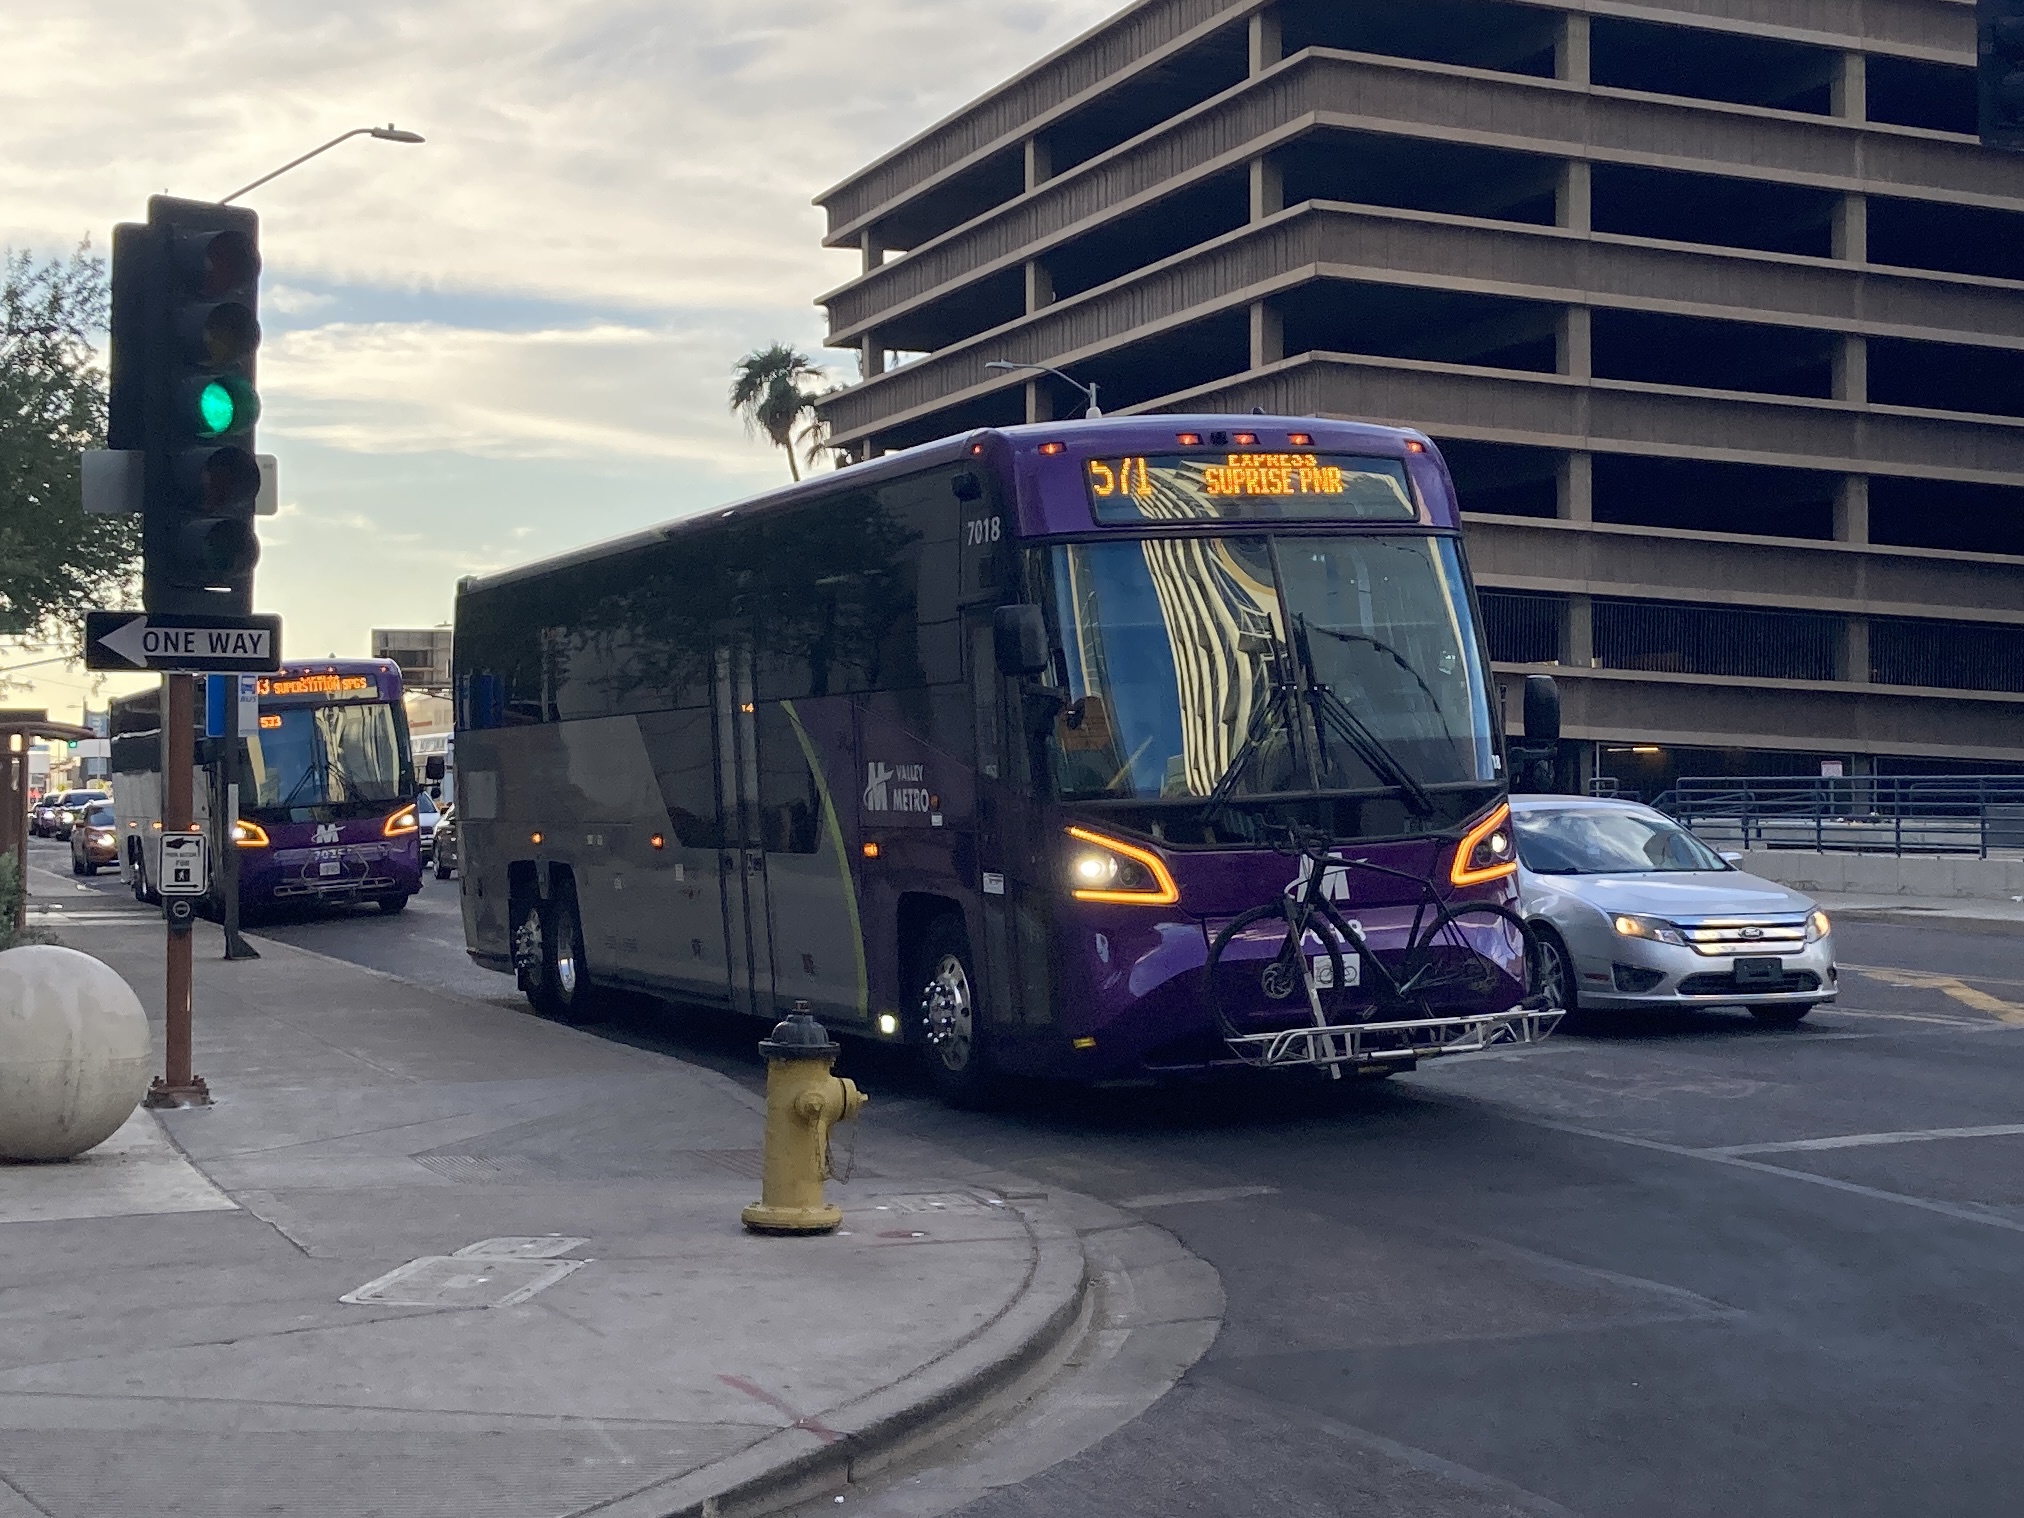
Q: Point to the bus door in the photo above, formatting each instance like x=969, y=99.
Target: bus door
x=748, y=940
x=1012, y=894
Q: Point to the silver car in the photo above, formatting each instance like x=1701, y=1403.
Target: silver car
x=1633, y=911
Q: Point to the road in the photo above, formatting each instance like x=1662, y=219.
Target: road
x=1682, y=1266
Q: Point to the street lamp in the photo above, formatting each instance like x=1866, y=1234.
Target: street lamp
x=387, y=133
x=1087, y=392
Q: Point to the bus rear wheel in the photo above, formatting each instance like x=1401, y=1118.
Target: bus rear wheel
x=952, y=1044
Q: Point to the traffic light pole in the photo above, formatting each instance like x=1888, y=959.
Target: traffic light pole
x=226, y=809
x=178, y=1086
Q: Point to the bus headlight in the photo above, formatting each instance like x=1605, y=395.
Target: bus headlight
x=1486, y=852
x=1109, y=869
x=402, y=823
x=249, y=835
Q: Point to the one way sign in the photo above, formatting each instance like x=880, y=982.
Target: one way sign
x=135, y=640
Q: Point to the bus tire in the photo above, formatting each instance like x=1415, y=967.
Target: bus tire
x=954, y=1052
x=567, y=994
x=393, y=904
x=144, y=892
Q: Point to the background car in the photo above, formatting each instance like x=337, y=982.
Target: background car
x=427, y=816
x=94, y=839
x=54, y=816
x=444, y=850
x=1634, y=912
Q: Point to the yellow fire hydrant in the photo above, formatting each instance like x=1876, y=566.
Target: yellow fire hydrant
x=803, y=1101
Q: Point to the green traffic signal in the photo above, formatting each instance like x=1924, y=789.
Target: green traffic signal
x=221, y=405
x=216, y=409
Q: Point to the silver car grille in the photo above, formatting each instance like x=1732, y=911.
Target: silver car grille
x=1743, y=937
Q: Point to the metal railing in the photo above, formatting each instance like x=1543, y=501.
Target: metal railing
x=1979, y=815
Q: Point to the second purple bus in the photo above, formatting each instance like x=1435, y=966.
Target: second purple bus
x=326, y=797
x=1052, y=750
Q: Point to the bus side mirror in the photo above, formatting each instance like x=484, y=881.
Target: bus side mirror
x=1019, y=638
x=1542, y=709
x=432, y=767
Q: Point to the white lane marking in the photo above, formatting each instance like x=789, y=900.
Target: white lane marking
x=1715, y=1157
x=1187, y=1198
x=1865, y=1140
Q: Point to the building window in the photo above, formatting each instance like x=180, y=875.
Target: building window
x=1946, y=655
x=1523, y=627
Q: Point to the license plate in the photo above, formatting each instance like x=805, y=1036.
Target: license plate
x=1324, y=972
x=330, y=867
x=1759, y=972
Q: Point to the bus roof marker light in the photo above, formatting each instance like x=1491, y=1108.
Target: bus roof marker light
x=872, y=850
x=1244, y=439
x=1414, y=445
x=659, y=841
x=1053, y=448
x=1189, y=439
x=1300, y=439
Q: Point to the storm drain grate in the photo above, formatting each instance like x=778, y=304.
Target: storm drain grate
x=477, y=1167
x=749, y=1163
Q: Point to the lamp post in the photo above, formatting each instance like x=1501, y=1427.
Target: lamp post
x=1087, y=392
x=387, y=133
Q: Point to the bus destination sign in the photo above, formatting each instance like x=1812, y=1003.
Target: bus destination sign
x=143, y=640
x=324, y=685
x=1197, y=487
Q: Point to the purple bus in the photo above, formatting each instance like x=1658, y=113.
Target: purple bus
x=326, y=793
x=1100, y=749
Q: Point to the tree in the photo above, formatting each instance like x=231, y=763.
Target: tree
x=774, y=391
x=54, y=560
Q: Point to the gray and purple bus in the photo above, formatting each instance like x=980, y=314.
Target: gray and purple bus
x=326, y=796
x=988, y=746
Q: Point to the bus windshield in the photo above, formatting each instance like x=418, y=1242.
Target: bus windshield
x=341, y=756
x=1266, y=665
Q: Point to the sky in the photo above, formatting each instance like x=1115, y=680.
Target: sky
x=517, y=337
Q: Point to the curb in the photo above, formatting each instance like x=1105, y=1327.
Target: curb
x=780, y=1469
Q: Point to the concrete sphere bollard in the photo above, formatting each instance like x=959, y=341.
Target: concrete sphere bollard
x=74, y=1052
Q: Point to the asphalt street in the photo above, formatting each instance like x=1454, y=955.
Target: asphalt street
x=1675, y=1266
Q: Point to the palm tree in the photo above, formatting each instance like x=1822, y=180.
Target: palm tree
x=774, y=391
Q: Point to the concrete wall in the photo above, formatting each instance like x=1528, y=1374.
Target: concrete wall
x=1883, y=875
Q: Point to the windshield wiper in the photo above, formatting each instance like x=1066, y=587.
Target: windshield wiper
x=1254, y=740
x=1384, y=648
x=1332, y=713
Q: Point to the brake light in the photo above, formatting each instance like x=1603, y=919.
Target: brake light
x=1486, y=852
x=1111, y=870
x=249, y=835
x=402, y=822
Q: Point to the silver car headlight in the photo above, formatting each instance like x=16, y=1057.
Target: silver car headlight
x=1657, y=929
x=1817, y=926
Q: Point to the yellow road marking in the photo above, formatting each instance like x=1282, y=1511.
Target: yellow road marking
x=1947, y=985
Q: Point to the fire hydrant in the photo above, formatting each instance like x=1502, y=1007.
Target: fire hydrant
x=803, y=1101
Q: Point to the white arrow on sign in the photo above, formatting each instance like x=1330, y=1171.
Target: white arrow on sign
x=136, y=642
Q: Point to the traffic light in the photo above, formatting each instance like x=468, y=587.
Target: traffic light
x=185, y=328
x=1999, y=72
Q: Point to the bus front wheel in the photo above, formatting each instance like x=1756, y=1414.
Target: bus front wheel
x=952, y=1042
x=566, y=993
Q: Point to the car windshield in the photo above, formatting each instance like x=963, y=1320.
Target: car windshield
x=1221, y=665
x=100, y=816
x=1600, y=841
x=325, y=756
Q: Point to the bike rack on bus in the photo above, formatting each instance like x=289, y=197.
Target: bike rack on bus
x=1351, y=1043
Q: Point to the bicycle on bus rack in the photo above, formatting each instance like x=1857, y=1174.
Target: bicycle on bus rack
x=1362, y=1009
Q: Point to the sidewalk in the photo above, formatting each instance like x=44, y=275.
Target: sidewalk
x=233, y=1323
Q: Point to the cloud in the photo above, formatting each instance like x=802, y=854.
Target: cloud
x=517, y=337
x=642, y=154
